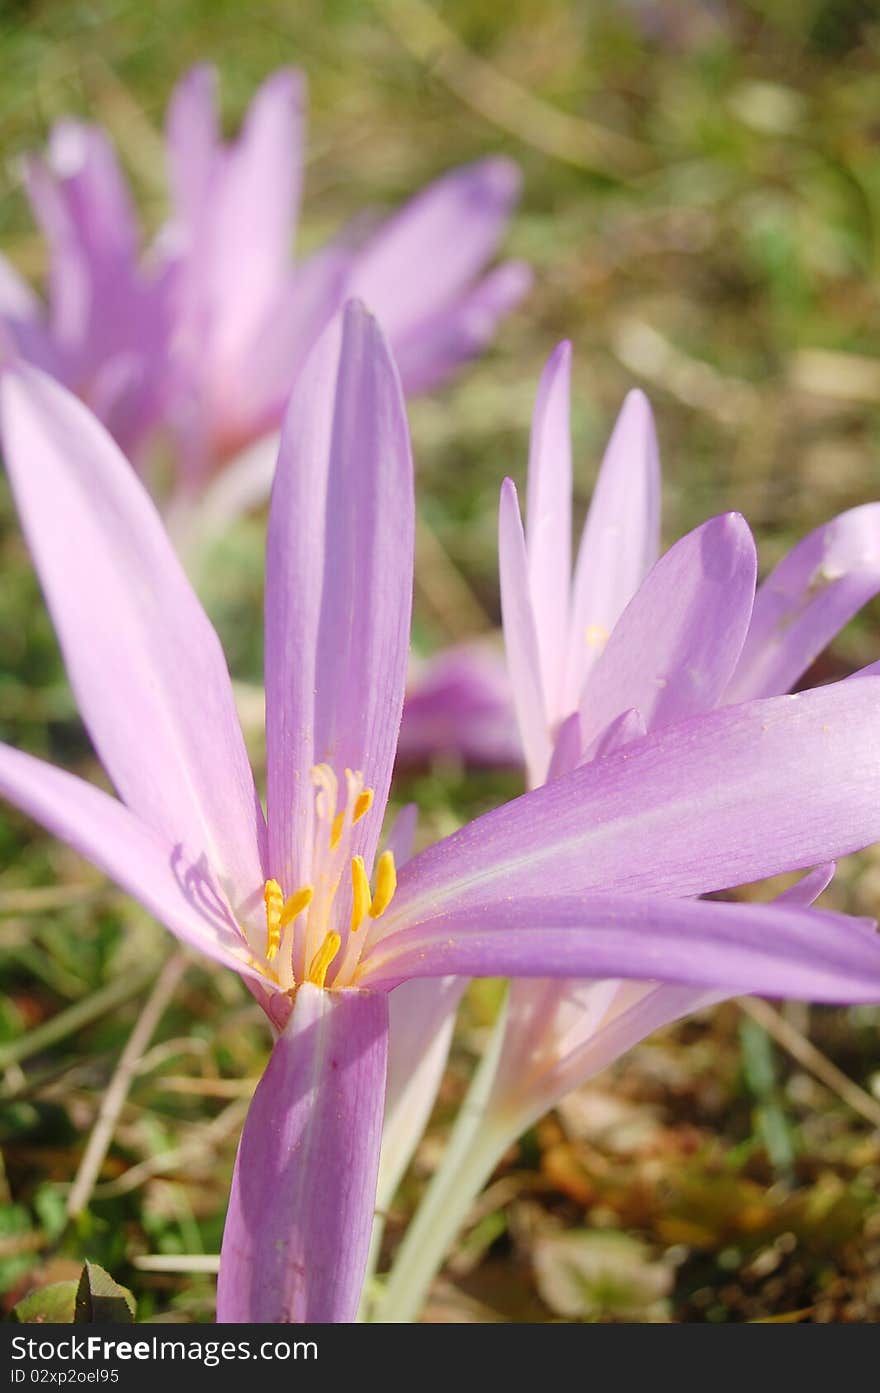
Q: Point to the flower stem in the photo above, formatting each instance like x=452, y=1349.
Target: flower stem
x=478, y=1140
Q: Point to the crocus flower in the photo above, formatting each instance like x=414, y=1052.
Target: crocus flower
x=105, y=330
x=208, y=332
x=588, y=651
x=631, y=647
x=586, y=877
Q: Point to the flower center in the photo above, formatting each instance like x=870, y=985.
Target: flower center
x=316, y=927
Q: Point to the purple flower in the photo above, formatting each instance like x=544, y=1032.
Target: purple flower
x=637, y=647
x=459, y=706
x=104, y=333
x=206, y=335
x=631, y=647
x=627, y=644
x=589, y=876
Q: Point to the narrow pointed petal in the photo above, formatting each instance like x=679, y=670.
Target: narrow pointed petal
x=622, y=731
x=424, y=258
x=548, y=524
x=84, y=208
x=402, y=833
x=193, y=146
x=301, y=307
x=567, y=749
x=774, y=949
x=303, y=1190
x=674, y=648
x=560, y=1034
x=144, y=662
x=338, y=583
x=808, y=889
x=521, y=637
x=23, y=328
x=720, y=800
x=17, y=299
x=433, y=349
x=620, y=540
x=806, y=600
x=236, y=205
x=150, y=867
x=257, y=208
x=421, y=1020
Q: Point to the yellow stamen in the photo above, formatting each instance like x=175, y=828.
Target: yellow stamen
x=295, y=904
x=386, y=884
x=323, y=958
x=273, y=896
x=360, y=886
x=362, y=805
x=596, y=636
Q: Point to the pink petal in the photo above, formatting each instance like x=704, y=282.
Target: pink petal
x=548, y=525
x=303, y=1191
x=338, y=584
x=620, y=540
x=806, y=600
x=144, y=662
x=716, y=801
x=433, y=349
x=774, y=949
x=674, y=648
x=422, y=260
x=181, y=893
x=521, y=637
x=459, y=705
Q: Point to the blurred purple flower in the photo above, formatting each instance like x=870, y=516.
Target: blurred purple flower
x=208, y=333
x=459, y=706
x=591, y=875
x=105, y=331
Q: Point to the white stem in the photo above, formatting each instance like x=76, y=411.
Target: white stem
x=478, y=1141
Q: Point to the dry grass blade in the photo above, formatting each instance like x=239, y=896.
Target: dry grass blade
x=812, y=1059
x=179, y=1262
x=114, y=1099
x=81, y=1014
x=180, y=1157
x=505, y=102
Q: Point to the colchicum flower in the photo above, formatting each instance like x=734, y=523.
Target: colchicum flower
x=633, y=646
x=206, y=333
x=590, y=876
x=106, y=332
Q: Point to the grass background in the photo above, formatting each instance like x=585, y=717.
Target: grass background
x=702, y=209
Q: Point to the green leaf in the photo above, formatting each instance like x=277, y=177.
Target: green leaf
x=52, y=1305
x=99, y=1298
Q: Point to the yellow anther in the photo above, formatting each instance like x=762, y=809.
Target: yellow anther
x=362, y=805
x=323, y=958
x=386, y=884
x=295, y=904
x=596, y=636
x=273, y=896
x=360, y=888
